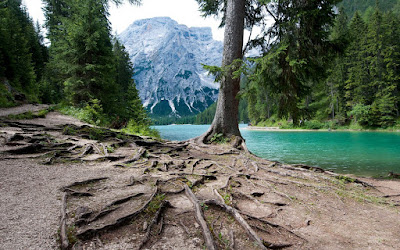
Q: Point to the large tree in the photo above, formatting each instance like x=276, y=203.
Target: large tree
x=226, y=117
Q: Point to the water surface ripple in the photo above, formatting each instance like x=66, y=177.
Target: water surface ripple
x=359, y=153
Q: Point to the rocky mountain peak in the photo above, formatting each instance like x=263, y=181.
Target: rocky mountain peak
x=168, y=59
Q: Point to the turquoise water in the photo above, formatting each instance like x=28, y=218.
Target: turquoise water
x=359, y=153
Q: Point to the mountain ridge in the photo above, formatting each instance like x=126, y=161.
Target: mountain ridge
x=168, y=59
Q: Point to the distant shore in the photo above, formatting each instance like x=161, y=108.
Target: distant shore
x=255, y=128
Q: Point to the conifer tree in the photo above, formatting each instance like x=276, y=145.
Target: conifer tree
x=357, y=68
x=22, y=53
x=337, y=71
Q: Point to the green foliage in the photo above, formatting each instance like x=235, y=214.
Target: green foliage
x=219, y=139
x=29, y=115
x=92, y=113
x=293, y=62
x=361, y=113
x=351, y=6
x=6, y=99
x=360, y=88
x=87, y=70
x=140, y=129
x=22, y=54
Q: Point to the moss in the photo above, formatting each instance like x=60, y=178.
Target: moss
x=71, y=234
x=155, y=204
x=345, y=179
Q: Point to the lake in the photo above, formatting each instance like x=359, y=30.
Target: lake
x=359, y=153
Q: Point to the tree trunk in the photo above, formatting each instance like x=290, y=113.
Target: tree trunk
x=226, y=117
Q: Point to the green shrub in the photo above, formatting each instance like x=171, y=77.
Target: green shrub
x=6, y=99
x=140, y=129
x=313, y=124
x=92, y=113
x=219, y=138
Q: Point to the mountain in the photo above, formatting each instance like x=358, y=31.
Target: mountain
x=168, y=59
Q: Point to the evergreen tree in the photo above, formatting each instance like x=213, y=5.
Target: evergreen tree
x=337, y=71
x=129, y=105
x=22, y=53
x=296, y=56
x=356, y=83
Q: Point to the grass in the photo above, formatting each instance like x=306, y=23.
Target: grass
x=219, y=139
x=93, y=133
x=348, y=188
x=71, y=231
x=345, y=179
x=155, y=204
x=328, y=124
x=30, y=115
x=95, y=116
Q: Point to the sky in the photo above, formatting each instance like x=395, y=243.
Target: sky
x=183, y=11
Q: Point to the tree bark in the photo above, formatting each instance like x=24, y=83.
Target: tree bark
x=226, y=117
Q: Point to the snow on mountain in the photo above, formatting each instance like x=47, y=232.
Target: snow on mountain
x=168, y=59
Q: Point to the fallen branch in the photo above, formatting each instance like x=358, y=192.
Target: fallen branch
x=200, y=219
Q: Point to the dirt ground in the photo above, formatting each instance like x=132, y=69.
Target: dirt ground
x=66, y=184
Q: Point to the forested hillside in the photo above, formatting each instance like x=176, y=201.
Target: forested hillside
x=346, y=76
x=351, y=6
x=84, y=68
x=22, y=55
x=357, y=86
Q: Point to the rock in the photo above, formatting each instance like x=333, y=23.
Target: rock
x=167, y=59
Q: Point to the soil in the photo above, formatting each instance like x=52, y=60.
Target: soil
x=66, y=184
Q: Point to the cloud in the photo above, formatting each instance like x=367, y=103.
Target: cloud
x=183, y=11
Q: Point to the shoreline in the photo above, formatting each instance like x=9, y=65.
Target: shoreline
x=255, y=128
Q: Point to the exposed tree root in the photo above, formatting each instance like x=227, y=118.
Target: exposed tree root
x=122, y=200
x=120, y=221
x=76, y=193
x=171, y=167
x=29, y=149
x=246, y=196
x=391, y=196
x=239, y=219
x=209, y=241
x=273, y=225
x=88, y=149
x=85, y=182
x=165, y=204
x=63, y=224
x=136, y=157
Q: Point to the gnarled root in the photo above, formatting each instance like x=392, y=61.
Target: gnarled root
x=156, y=219
x=209, y=241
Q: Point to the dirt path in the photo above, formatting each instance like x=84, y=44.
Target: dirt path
x=22, y=109
x=143, y=198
